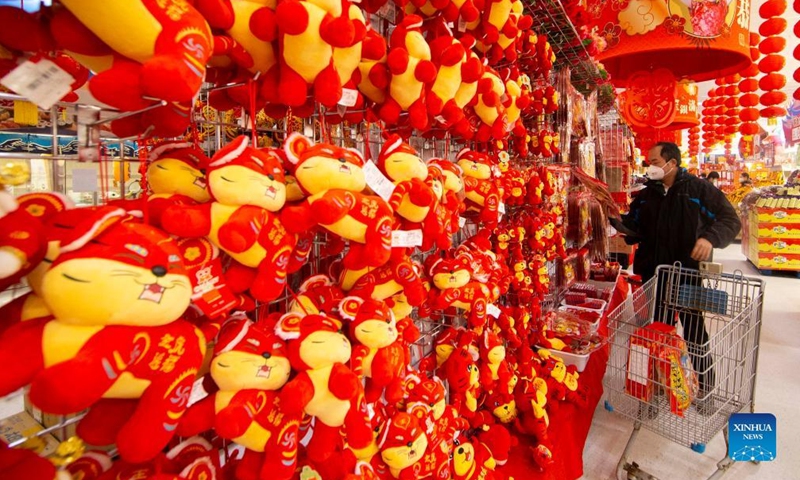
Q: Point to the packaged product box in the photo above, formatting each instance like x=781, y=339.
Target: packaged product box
x=776, y=261
x=22, y=425
x=644, y=346
x=778, y=215
x=676, y=373
x=777, y=245
x=778, y=230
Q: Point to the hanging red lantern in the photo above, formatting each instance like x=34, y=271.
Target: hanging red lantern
x=774, y=97
x=773, y=62
x=773, y=26
x=748, y=100
x=749, y=128
x=749, y=114
x=649, y=99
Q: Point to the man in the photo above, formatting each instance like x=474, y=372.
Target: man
x=679, y=218
x=713, y=177
x=744, y=179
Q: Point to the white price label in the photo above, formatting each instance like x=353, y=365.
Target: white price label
x=461, y=222
x=12, y=404
x=462, y=25
x=43, y=82
x=198, y=392
x=493, y=310
x=377, y=181
x=349, y=97
x=440, y=119
x=407, y=238
x=501, y=208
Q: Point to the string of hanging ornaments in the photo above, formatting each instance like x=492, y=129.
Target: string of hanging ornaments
x=771, y=46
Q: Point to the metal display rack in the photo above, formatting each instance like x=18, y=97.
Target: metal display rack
x=566, y=43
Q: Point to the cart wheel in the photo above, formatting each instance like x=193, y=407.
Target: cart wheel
x=699, y=447
x=608, y=406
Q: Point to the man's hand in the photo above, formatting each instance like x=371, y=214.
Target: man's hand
x=702, y=250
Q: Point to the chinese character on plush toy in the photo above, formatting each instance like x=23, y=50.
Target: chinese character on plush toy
x=249, y=367
x=116, y=297
x=334, y=179
x=324, y=388
x=248, y=188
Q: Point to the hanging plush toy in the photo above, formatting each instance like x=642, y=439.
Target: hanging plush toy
x=463, y=377
x=466, y=95
x=175, y=177
x=483, y=197
x=308, y=34
x=324, y=387
x=452, y=196
x=377, y=354
x=372, y=76
x=249, y=367
x=473, y=460
x=23, y=241
x=402, y=443
x=412, y=200
x=450, y=58
x=494, y=371
x=411, y=69
x=333, y=178
x=452, y=278
x=248, y=188
x=167, y=61
x=489, y=107
x=115, y=294
x=317, y=294
x=401, y=275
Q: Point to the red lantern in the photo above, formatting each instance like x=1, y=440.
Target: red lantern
x=750, y=128
x=773, y=112
x=773, y=26
x=749, y=114
x=771, y=63
x=772, y=81
x=772, y=8
x=748, y=100
x=748, y=85
x=772, y=45
x=649, y=99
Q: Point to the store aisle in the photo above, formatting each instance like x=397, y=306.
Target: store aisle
x=777, y=392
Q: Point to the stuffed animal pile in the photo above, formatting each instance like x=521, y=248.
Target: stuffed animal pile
x=276, y=297
x=437, y=72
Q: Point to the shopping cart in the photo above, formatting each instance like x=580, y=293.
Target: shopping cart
x=728, y=307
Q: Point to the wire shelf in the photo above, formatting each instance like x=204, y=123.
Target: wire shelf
x=566, y=42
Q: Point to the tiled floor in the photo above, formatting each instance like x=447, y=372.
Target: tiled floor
x=777, y=392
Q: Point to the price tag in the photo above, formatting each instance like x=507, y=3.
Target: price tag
x=43, y=82
x=462, y=24
x=440, y=119
x=12, y=404
x=493, y=310
x=461, y=222
x=376, y=180
x=407, y=238
x=349, y=97
x=501, y=208
x=198, y=392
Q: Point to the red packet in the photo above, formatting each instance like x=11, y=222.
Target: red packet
x=209, y=292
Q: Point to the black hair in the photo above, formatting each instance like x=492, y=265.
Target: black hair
x=745, y=175
x=702, y=175
x=670, y=151
x=713, y=175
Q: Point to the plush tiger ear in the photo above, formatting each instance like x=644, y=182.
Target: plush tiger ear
x=296, y=144
x=288, y=327
x=349, y=306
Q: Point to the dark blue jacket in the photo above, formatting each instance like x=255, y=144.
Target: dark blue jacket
x=668, y=224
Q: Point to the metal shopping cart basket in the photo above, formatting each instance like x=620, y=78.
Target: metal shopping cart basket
x=724, y=355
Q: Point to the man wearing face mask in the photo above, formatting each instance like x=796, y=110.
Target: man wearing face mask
x=679, y=218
